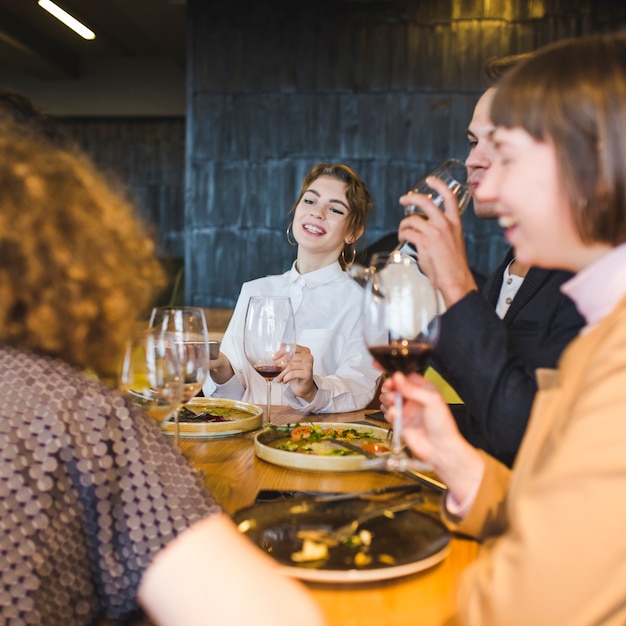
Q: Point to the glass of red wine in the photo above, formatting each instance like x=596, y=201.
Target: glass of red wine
x=269, y=338
x=401, y=328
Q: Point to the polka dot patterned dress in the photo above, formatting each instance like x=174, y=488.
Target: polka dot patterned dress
x=90, y=491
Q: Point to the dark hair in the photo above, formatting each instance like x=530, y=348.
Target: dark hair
x=573, y=94
x=496, y=68
x=17, y=109
x=357, y=194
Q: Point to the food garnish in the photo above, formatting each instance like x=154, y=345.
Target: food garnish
x=215, y=415
x=311, y=551
x=315, y=439
x=361, y=559
x=316, y=545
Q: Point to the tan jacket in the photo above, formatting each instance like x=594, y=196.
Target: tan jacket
x=555, y=527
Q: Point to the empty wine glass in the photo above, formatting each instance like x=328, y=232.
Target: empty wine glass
x=452, y=172
x=188, y=328
x=401, y=328
x=150, y=376
x=269, y=338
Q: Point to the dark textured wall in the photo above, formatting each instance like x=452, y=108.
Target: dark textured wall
x=385, y=86
x=147, y=156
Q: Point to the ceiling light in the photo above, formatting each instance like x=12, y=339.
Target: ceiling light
x=67, y=19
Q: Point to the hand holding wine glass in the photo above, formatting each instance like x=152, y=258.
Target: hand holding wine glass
x=188, y=328
x=269, y=338
x=401, y=327
x=150, y=375
x=454, y=174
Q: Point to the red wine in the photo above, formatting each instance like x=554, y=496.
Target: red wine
x=269, y=371
x=402, y=357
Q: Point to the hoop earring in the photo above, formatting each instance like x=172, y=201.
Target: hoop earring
x=347, y=263
x=290, y=228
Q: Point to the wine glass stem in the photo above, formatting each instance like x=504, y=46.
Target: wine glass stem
x=396, y=435
x=176, y=428
x=269, y=402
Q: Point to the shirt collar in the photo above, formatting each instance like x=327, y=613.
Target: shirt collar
x=598, y=288
x=319, y=277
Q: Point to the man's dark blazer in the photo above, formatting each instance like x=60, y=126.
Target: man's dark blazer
x=491, y=362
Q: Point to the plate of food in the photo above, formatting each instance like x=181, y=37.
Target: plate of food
x=215, y=417
x=321, y=446
x=296, y=534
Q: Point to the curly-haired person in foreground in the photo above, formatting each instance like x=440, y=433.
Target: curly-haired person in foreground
x=18, y=110
x=99, y=515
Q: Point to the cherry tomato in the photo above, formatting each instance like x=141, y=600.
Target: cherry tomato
x=300, y=432
x=375, y=448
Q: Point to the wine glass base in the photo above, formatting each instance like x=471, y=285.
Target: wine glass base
x=398, y=463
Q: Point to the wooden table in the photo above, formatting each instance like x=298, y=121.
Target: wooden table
x=234, y=476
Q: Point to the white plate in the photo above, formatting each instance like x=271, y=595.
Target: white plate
x=265, y=448
x=245, y=417
x=404, y=544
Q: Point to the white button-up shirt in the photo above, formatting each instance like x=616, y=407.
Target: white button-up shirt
x=327, y=307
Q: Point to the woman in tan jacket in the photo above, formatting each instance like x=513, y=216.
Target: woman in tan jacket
x=554, y=527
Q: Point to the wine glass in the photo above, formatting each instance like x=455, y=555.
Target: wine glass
x=188, y=329
x=150, y=375
x=401, y=328
x=452, y=172
x=269, y=338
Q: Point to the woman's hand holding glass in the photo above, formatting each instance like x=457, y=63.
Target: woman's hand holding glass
x=298, y=374
x=430, y=432
x=220, y=369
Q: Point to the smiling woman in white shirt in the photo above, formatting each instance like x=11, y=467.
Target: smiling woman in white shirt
x=331, y=371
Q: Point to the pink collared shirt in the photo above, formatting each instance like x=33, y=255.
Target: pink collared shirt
x=598, y=288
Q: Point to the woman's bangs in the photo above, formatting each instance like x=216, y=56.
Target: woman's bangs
x=518, y=104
